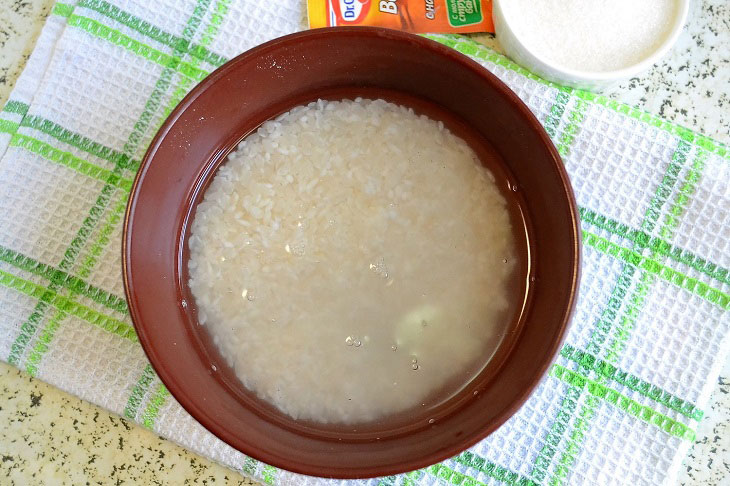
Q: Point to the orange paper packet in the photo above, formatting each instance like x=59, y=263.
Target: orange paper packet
x=435, y=16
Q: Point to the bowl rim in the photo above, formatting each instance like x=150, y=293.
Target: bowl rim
x=166, y=375
x=580, y=76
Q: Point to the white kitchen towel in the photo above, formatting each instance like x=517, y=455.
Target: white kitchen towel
x=623, y=401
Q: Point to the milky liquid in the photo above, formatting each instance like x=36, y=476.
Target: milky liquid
x=353, y=260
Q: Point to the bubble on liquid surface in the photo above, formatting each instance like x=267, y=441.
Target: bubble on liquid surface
x=430, y=421
x=296, y=248
x=379, y=268
x=349, y=341
x=357, y=343
x=394, y=347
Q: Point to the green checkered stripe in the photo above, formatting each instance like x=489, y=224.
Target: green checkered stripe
x=587, y=376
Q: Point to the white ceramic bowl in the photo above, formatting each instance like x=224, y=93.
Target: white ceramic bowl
x=595, y=81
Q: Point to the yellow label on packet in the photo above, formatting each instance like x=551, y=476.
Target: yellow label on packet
x=435, y=16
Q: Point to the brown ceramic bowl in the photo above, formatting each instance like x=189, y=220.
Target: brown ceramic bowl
x=271, y=79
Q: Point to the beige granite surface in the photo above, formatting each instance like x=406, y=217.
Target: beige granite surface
x=49, y=437
x=20, y=25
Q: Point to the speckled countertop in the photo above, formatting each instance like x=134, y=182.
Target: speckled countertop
x=50, y=437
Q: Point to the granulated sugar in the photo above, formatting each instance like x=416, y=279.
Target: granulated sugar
x=592, y=35
x=352, y=260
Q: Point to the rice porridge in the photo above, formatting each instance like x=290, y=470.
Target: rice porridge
x=353, y=260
